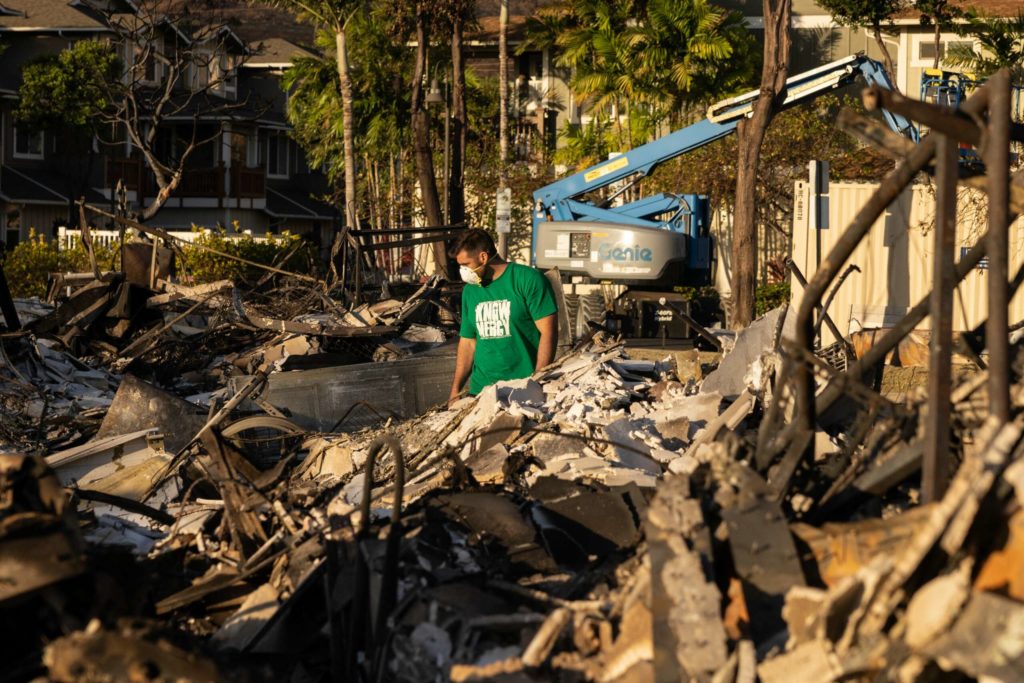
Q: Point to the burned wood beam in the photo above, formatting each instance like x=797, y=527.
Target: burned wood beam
x=7, y=304
x=125, y=503
x=163, y=234
x=997, y=165
x=822, y=310
x=955, y=123
x=937, y=432
x=874, y=134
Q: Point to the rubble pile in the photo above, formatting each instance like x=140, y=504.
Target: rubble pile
x=60, y=373
x=601, y=520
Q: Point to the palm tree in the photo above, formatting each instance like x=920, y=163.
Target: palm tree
x=1000, y=44
x=690, y=51
x=586, y=144
x=664, y=54
x=380, y=111
x=335, y=15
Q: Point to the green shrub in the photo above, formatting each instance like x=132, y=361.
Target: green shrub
x=771, y=296
x=200, y=265
x=29, y=264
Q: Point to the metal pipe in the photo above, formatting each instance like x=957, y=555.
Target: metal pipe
x=952, y=122
x=822, y=312
x=937, y=422
x=888, y=191
x=359, y=634
x=996, y=154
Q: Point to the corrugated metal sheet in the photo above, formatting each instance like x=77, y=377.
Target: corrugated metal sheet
x=770, y=246
x=896, y=256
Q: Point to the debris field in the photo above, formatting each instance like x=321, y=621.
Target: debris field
x=599, y=521
x=164, y=517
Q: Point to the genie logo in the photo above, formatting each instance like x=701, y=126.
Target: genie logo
x=614, y=252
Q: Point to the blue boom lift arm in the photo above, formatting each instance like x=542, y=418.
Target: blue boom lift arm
x=562, y=201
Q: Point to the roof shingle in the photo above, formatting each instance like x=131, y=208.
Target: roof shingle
x=48, y=14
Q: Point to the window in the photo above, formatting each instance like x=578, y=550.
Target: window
x=228, y=74
x=926, y=50
x=144, y=61
x=923, y=48
x=277, y=155
x=202, y=65
x=252, y=150
x=28, y=145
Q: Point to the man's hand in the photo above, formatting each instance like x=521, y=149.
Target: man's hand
x=548, y=328
x=463, y=367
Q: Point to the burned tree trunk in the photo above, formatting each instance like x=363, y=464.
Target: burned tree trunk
x=345, y=84
x=421, y=136
x=750, y=135
x=456, y=188
x=886, y=57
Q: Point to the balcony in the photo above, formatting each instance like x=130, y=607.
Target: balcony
x=248, y=183
x=201, y=182
x=128, y=171
x=210, y=183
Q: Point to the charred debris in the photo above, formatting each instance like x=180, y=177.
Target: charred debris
x=604, y=520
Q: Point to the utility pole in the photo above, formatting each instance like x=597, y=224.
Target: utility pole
x=503, y=114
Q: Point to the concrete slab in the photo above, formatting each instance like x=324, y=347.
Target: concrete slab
x=757, y=339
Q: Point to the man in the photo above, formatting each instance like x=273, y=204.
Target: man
x=509, y=317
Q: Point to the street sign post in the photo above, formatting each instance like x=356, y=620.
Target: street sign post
x=503, y=212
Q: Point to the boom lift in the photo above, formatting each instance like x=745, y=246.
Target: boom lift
x=662, y=240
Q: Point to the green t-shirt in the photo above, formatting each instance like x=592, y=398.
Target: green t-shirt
x=500, y=315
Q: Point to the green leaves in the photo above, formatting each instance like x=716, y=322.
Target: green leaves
x=69, y=89
x=1000, y=44
x=655, y=59
x=863, y=13
x=379, y=67
x=29, y=264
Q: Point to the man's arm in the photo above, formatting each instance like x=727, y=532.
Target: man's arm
x=463, y=366
x=548, y=327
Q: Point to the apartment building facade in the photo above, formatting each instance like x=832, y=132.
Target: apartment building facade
x=247, y=172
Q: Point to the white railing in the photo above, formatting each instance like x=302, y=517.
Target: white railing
x=68, y=237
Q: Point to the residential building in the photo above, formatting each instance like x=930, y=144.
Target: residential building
x=245, y=170
x=818, y=39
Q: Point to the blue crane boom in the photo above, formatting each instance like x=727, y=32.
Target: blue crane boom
x=625, y=247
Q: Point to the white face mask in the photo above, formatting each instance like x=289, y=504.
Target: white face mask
x=469, y=275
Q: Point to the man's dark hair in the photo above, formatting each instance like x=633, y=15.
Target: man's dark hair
x=474, y=241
